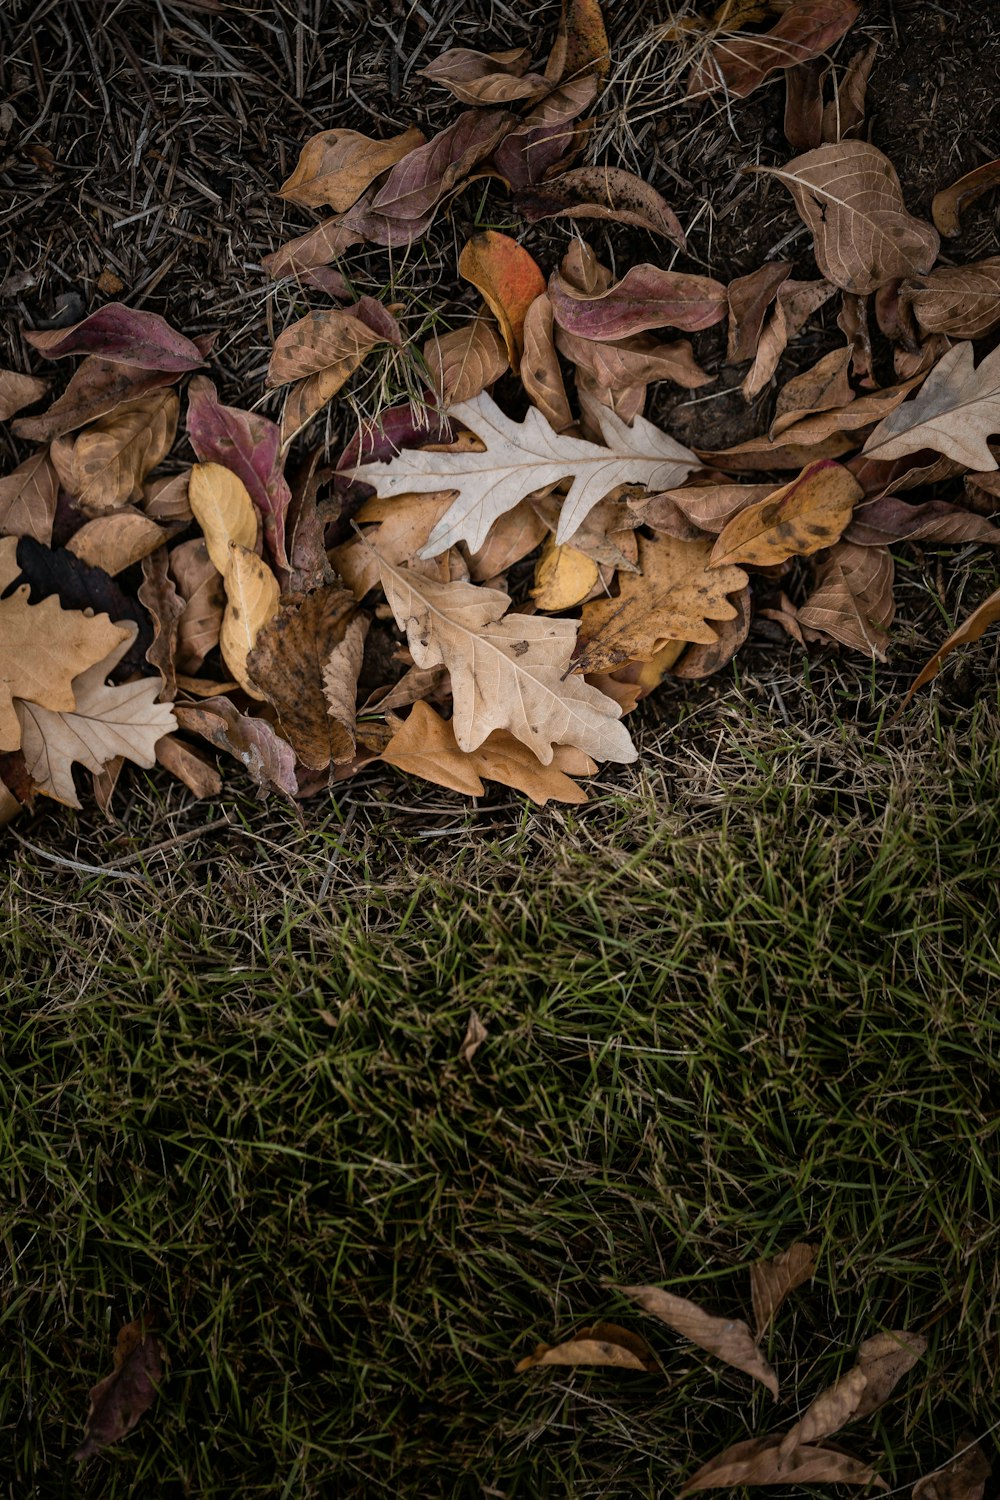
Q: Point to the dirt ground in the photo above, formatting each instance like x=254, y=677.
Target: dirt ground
x=145, y=140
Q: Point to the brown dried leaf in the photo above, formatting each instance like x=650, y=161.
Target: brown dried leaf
x=948, y=204
x=749, y=297
x=971, y=629
x=475, y=1035
x=803, y=122
x=404, y=524
x=824, y=387
x=166, y=499
x=97, y=388
x=581, y=48
x=486, y=77
x=331, y=342
x=599, y=1344
x=646, y=297
x=741, y=64
x=845, y=114
x=726, y=1338
x=463, y=363
x=849, y=196
x=508, y=279
x=879, y=523
x=963, y=301
x=638, y=361
x=607, y=193
x=795, y=304
x=697, y=507
x=758, y=1461
x=197, y=773
x=540, y=372
x=547, y=138
x=105, y=466
x=166, y=607
x=962, y=1479
x=118, y=1401
x=794, y=521
x=336, y=166
x=704, y=661
x=267, y=759
x=17, y=391
x=200, y=584
x=512, y=537
x=316, y=248
x=771, y=1281
x=882, y=1363
x=252, y=595
x=954, y=413
x=852, y=601
x=417, y=184
x=28, y=498
x=116, y=541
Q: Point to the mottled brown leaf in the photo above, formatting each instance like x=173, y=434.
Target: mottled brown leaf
x=540, y=372
x=465, y=362
x=962, y=1479
x=252, y=596
x=336, y=166
x=97, y=388
x=105, y=466
x=17, y=391
x=758, y=1461
x=268, y=760
x=116, y=541
x=726, y=1338
x=607, y=193
x=701, y=661
x=882, y=1363
x=771, y=1281
x=200, y=585
x=794, y=521
x=598, y=1344
x=946, y=210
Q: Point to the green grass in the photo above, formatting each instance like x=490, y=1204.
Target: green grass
x=748, y=994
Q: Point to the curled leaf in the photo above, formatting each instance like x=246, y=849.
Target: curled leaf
x=123, y=335
x=508, y=279
x=794, y=521
x=971, y=629
x=759, y=1461
x=599, y=1344
x=646, y=297
x=486, y=77
x=852, y=601
x=608, y=193
x=948, y=204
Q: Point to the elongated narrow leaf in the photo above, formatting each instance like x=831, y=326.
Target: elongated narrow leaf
x=646, y=297
x=728, y=1339
x=123, y=335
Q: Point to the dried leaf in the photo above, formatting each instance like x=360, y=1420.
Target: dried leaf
x=508, y=279
x=794, y=521
x=316, y=248
x=475, y=1035
x=727, y=1339
x=698, y=507
x=104, y=722
x=771, y=1281
x=486, y=77
x=331, y=342
x=506, y=673
x=97, y=388
x=80, y=586
x=197, y=773
x=607, y=193
x=641, y=360
x=699, y=661
x=963, y=301
x=949, y=203
x=425, y=746
x=599, y=1344
x=28, y=499
x=510, y=538
x=221, y=504
x=852, y=601
x=248, y=444
x=803, y=121
x=760, y=453
x=581, y=47
x=404, y=526
x=954, y=413
x=336, y=166
x=17, y=391
x=845, y=114
x=849, y=196
x=795, y=304
x=564, y=577
x=758, y=1461
x=268, y=760
x=672, y=599
x=124, y=336
x=117, y=541
x=882, y=1363
x=879, y=523
x=166, y=607
x=540, y=372
x=118, y=1401
x=251, y=600
x=417, y=184
x=749, y=297
x=521, y=457
x=646, y=297
x=340, y=675
x=105, y=466
x=200, y=584
x=741, y=64
x=286, y=664
x=971, y=629
x=962, y=1479
x=166, y=499
x=44, y=648
x=824, y=387
x=465, y=362
x=547, y=137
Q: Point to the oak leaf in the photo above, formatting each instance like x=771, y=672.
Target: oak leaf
x=727, y=1339
x=882, y=1363
x=794, y=521
x=509, y=280
x=17, y=390
x=704, y=660
x=771, y=1281
x=252, y=596
x=852, y=601
x=645, y=297
x=105, y=466
x=522, y=457
x=220, y=502
x=335, y=166
x=758, y=1461
x=120, y=1399
x=954, y=412
x=464, y=362
x=508, y=671
x=104, y=722
x=599, y=1344
x=28, y=498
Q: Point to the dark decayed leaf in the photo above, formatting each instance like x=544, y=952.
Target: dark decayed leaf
x=964, y=1478
x=80, y=586
x=165, y=606
x=946, y=210
x=845, y=113
x=122, y=335
x=803, y=122
x=118, y=1401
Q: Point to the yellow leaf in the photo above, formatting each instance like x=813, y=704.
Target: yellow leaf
x=221, y=504
x=795, y=521
x=563, y=577
x=252, y=595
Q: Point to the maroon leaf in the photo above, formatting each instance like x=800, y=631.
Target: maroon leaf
x=646, y=297
x=884, y=521
x=546, y=136
x=398, y=427
x=123, y=336
x=417, y=183
x=96, y=388
x=118, y=1401
x=741, y=64
x=603, y=193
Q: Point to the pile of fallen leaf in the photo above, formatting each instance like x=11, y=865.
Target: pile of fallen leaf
x=462, y=594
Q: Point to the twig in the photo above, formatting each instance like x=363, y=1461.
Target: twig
x=77, y=864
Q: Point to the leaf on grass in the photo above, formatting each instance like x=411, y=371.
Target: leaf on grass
x=508, y=671
x=522, y=457
x=771, y=1281
x=200, y=584
x=268, y=760
x=540, y=372
x=794, y=521
x=882, y=1363
x=639, y=360
x=607, y=193
x=741, y=64
x=463, y=363
x=417, y=184
x=425, y=746
x=248, y=444
x=120, y=1399
x=116, y=541
x=105, y=466
x=949, y=203
x=548, y=136
x=564, y=577
x=824, y=387
x=125, y=336
x=852, y=601
x=962, y=1479
x=252, y=595
x=17, y=391
x=971, y=629
x=187, y=766
x=166, y=607
x=44, y=648
x=335, y=166
x=104, y=722
x=599, y=1344
x=508, y=279
x=96, y=388
x=221, y=504
x=879, y=523
x=726, y=1338
x=287, y=665
x=849, y=196
x=672, y=599
x=486, y=77
x=749, y=298
x=28, y=499
x=646, y=297
x=963, y=301
x=758, y=1461
x=954, y=413
x=475, y=1035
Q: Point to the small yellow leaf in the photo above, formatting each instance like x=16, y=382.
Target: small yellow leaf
x=252, y=595
x=563, y=577
x=221, y=504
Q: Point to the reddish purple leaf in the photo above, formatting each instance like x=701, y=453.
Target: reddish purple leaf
x=546, y=136
x=646, y=297
x=125, y=337
x=249, y=445
x=741, y=64
x=882, y=522
x=417, y=183
x=95, y=388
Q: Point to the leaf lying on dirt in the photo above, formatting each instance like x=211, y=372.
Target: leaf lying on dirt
x=250, y=445
x=852, y=601
x=645, y=297
x=509, y=280
x=677, y=592
x=879, y=523
x=417, y=184
x=540, y=372
x=287, y=665
x=639, y=360
x=120, y=1399
x=268, y=760
x=963, y=301
x=758, y=1461
x=749, y=297
x=771, y=1281
x=581, y=47
x=105, y=466
x=117, y=541
x=954, y=413
x=425, y=746
x=824, y=387
x=486, y=77
x=44, y=648
x=463, y=363
x=122, y=335
x=948, y=204
x=507, y=671
x=599, y=1344
x=849, y=196
x=252, y=595
x=741, y=64
x=971, y=629
x=882, y=1363
x=28, y=499
x=521, y=457
x=221, y=504
x=331, y=342
x=607, y=193
x=794, y=521
x=728, y=1339
x=105, y=721
x=335, y=166
x=845, y=113
x=795, y=303
x=962, y=1479
x=17, y=391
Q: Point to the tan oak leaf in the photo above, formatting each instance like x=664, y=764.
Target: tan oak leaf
x=955, y=411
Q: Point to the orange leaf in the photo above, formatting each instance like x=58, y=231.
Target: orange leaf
x=509, y=280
